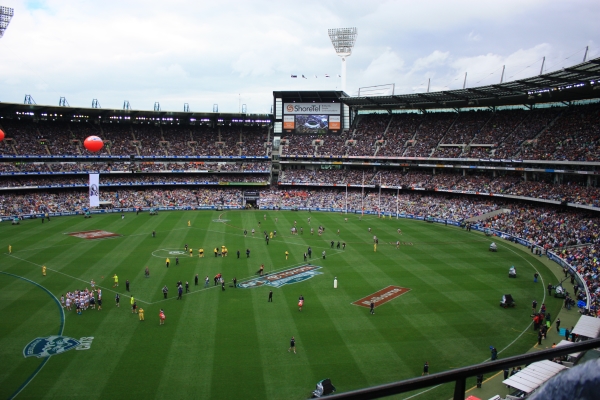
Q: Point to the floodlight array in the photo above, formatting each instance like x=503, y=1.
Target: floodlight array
x=343, y=40
x=6, y=14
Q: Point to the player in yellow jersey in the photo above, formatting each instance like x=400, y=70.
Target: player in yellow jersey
x=191, y=252
x=286, y=254
x=141, y=313
x=375, y=247
x=116, y=278
x=43, y=270
x=167, y=262
x=189, y=223
x=9, y=249
x=201, y=253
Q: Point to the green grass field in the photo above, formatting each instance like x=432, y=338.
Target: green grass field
x=233, y=344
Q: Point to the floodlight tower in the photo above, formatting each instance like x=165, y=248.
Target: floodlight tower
x=6, y=14
x=343, y=40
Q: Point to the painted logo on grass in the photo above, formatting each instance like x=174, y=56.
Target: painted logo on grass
x=287, y=277
x=382, y=296
x=97, y=234
x=49, y=346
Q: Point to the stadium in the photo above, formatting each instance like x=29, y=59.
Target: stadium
x=399, y=240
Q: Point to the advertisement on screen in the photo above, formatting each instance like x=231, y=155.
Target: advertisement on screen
x=335, y=123
x=288, y=122
x=311, y=108
x=312, y=124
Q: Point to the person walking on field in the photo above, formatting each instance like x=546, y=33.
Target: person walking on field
x=425, y=369
x=292, y=345
x=372, y=307
x=270, y=297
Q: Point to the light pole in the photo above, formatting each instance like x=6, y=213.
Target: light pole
x=6, y=14
x=343, y=40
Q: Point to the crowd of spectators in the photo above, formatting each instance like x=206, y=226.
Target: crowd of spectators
x=77, y=201
x=402, y=129
x=586, y=261
x=507, y=184
x=429, y=133
x=131, y=179
x=123, y=138
x=41, y=167
x=369, y=129
x=333, y=145
x=556, y=133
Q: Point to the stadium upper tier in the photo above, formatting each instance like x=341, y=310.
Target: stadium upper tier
x=557, y=133
x=24, y=136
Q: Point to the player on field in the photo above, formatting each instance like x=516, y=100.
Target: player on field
x=201, y=253
x=292, y=345
x=162, y=317
x=117, y=299
x=116, y=278
x=43, y=270
x=141, y=313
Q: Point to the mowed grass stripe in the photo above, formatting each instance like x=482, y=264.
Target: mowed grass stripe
x=187, y=367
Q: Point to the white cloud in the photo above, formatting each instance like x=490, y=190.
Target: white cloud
x=474, y=37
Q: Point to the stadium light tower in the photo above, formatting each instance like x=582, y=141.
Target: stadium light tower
x=6, y=14
x=343, y=40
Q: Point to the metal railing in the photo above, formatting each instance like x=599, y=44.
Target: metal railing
x=460, y=375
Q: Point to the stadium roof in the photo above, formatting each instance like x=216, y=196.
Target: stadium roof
x=579, y=82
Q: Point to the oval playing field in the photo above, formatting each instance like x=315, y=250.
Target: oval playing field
x=233, y=343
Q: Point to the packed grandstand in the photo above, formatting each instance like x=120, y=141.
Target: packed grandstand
x=538, y=161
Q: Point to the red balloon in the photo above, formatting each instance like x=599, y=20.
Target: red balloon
x=93, y=143
x=1, y=135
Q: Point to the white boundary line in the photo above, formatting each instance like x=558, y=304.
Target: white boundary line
x=518, y=337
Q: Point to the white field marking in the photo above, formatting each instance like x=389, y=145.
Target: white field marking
x=62, y=329
x=180, y=253
x=244, y=279
x=518, y=337
x=75, y=278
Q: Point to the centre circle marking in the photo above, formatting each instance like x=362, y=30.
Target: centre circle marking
x=165, y=253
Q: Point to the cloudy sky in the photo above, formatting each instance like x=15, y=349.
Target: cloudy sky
x=237, y=52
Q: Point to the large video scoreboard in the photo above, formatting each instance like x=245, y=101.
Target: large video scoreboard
x=308, y=112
